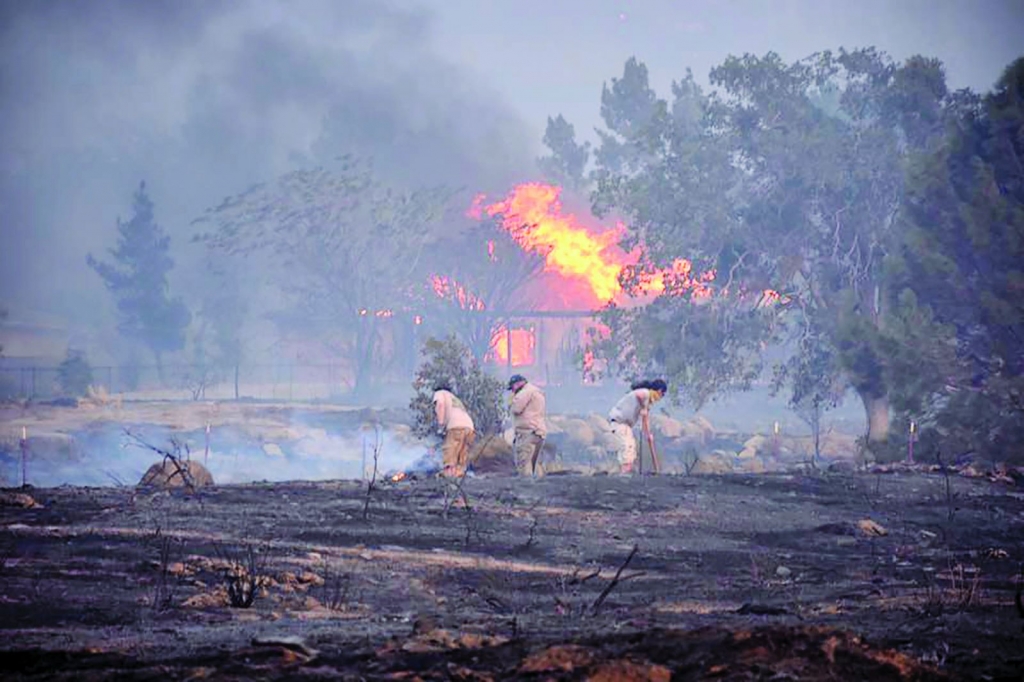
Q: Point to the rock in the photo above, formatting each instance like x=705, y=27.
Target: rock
x=492, y=455
x=560, y=657
x=869, y=527
x=842, y=466
x=310, y=578
x=755, y=443
x=703, y=425
x=296, y=644
x=606, y=440
x=556, y=424
x=598, y=424
x=752, y=465
x=625, y=669
x=715, y=463
x=783, y=572
x=667, y=427
x=579, y=432
x=747, y=453
x=166, y=475
x=972, y=471
x=9, y=499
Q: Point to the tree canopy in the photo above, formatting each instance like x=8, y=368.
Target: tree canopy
x=800, y=185
x=341, y=248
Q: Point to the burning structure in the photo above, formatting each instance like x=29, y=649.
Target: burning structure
x=580, y=270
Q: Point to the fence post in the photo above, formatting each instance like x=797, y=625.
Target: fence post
x=24, y=456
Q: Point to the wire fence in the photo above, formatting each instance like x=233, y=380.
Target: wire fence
x=267, y=381
x=281, y=381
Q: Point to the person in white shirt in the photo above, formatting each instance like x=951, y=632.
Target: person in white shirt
x=456, y=426
x=633, y=407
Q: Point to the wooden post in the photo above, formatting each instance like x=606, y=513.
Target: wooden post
x=508, y=346
x=910, y=442
x=206, y=452
x=24, y=456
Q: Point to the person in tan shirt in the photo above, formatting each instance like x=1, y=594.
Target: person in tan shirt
x=528, y=414
x=456, y=426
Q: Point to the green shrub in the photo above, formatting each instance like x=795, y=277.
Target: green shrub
x=449, y=361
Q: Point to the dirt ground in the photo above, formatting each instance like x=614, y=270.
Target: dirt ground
x=736, y=577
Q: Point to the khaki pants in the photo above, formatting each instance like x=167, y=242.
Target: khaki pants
x=455, y=451
x=626, y=449
x=526, y=445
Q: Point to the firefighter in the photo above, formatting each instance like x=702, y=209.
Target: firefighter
x=632, y=407
x=456, y=427
x=528, y=407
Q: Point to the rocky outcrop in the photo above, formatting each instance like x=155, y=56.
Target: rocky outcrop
x=713, y=463
x=492, y=455
x=166, y=474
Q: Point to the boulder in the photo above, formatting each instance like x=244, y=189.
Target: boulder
x=556, y=424
x=667, y=427
x=606, y=440
x=714, y=463
x=754, y=444
x=492, y=455
x=752, y=465
x=598, y=424
x=843, y=466
x=704, y=425
x=165, y=474
x=21, y=500
x=579, y=432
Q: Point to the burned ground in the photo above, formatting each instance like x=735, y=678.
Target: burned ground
x=814, y=577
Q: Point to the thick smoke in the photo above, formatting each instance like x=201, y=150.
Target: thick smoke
x=103, y=455
x=202, y=99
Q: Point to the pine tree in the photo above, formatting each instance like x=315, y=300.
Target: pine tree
x=137, y=279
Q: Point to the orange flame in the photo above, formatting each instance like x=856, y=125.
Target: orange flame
x=523, y=345
x=532, y=214
x=446, y=287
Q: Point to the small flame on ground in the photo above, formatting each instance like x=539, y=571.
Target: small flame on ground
x=400, y=476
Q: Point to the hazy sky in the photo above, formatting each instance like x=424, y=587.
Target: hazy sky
x=203, y=97
x=552, y=56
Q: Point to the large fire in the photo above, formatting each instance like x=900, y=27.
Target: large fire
x=532, y=214
x=584, y=267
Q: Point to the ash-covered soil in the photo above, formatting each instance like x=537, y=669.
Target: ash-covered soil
x=876, y=577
